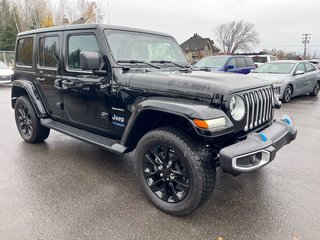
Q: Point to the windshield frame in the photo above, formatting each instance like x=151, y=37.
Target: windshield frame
x=142, y=62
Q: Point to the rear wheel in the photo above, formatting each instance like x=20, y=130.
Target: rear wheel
x=176, y=174
x=287, y=94
x=28, y=123
x=316, y=89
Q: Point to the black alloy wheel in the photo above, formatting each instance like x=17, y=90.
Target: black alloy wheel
x=176, y=173
x=24, y=120
x=166, y=173
x=27, y=121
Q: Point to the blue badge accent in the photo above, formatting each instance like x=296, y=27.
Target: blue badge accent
x=263, y=137
x=118, y=124
x=287, y=120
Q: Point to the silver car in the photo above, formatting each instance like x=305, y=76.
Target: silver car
x=290, y=78
x=6, y=73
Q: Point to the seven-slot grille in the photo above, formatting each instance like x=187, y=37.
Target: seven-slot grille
x=259, y=104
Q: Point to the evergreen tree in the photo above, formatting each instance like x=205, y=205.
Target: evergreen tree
x=8, y=28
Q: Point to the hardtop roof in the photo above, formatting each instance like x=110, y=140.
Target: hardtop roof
x=86, y=27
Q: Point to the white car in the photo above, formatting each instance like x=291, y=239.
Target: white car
x=263, y=58
x=290, y=78
x=6, y=73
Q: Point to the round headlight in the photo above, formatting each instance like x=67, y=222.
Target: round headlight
x=237, y=108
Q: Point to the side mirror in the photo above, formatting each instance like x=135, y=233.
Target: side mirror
x=299, y=72
x=89, y=60
x=230, y=67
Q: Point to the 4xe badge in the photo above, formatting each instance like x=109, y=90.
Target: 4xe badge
x=116, y=120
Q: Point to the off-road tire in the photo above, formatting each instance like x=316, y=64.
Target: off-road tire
x=316, y=89
x=28, y=123
x=195, y=156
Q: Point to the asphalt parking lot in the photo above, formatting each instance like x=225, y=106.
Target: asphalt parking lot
x=66, y=189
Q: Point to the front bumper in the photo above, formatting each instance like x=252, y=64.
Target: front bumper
x=258, y=149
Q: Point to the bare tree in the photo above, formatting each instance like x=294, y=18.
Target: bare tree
x=235, y=36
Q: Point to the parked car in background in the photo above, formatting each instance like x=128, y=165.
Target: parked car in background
x=316, y=62
x=6, y=73
x=226, y=63
x=290, y=78
x=263, y=58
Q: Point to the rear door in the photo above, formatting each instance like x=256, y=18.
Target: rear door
x=48, y=72
x=311, y=77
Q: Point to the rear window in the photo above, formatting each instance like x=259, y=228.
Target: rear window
x=25, y=51
x=260, y=59
x=249, y=62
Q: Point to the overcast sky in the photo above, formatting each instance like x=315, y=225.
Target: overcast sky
x=280, y=23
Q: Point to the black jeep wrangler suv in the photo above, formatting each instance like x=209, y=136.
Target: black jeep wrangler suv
x=127, y=89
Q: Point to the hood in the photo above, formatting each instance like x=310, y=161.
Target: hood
x=195, y=84
x=270, y=77
x=6, y=72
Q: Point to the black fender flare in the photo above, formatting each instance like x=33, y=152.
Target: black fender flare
x=188, y=110
x=20, y=87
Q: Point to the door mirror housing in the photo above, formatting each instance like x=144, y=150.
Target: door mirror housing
x=299, y=72
x=230, y=67
x=89, y=60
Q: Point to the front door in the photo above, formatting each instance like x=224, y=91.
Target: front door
x=87, y=103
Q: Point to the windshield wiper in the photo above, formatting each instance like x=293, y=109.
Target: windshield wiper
x=137, y=62
x=166, y=61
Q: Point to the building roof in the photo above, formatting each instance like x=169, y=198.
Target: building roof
x=196, y=42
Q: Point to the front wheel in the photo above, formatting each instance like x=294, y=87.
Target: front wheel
x=28, y=123
x=287, y=94
x=176, y=174
x=316, y=89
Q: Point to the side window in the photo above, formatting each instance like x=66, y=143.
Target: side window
x=79, y=43
x=49, y=52
x=232, y=62
x=241, y=63
x=309, y=67
x=249, y=62
x=300, y=67
x=25, y=52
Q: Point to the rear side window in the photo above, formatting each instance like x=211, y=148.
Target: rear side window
x=241, y=63
x=49, y=52
x=79, y=43
x=309, y=67
x=249, y=62
x=25, y=51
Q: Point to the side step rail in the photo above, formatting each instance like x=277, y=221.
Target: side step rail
x=101, y=141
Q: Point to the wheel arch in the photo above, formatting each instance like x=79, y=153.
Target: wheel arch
x=152, y=113
x=25, y=87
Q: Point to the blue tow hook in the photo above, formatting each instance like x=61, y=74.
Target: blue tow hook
x=263, y=137
x=287, y=120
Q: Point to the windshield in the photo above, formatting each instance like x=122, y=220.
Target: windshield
x=275, y=67
x=134, y=46
x=259, y=59
x=211, y=62
x=3, y=66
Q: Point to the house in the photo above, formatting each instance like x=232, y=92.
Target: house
x=197, y=47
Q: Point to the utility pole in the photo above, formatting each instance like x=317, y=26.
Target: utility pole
x=305, y=40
